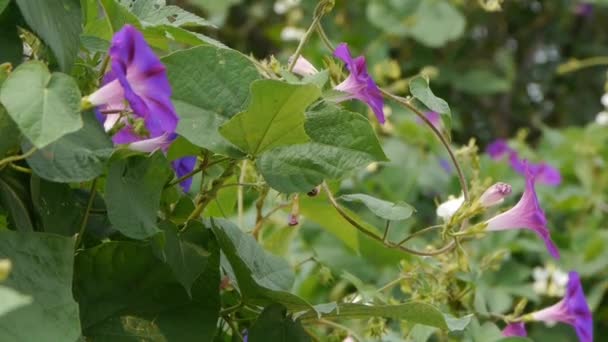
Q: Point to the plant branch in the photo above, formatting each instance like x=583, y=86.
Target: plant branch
x=200, y=168
x=210, y=194
x=378, y=238
x=442, y=139
x=11, y=159
x=85, y=218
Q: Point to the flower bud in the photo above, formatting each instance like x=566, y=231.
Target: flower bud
x=293, y=220
x=5, y=268
x=495, y=194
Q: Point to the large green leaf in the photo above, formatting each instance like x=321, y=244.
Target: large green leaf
x=45, y=106
x=414, y=312
x=76, y=157
x=342, y=142
x=275, y=116
x=59, y=23
x=261, y=277
x=133, y=190
x=56, y=207
x=274, y=325
x=127, y=294
x=432, y=23
x=186, y=259
x=154, y=12
x=210, y=85
x=42, y=269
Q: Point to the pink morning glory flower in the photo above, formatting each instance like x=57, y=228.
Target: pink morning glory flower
x=359, y=84
x=137, y=83
x=572, y=309
x=303, y=67
x=495, y=194
x=526, y=214
x=515, y=329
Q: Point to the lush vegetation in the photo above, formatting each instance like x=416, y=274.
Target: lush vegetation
x=295, y=170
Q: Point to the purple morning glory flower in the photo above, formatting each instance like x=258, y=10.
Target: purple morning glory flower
x=515, y=329
x=433, y=117
x=139, y=77
x=526, y=214
x=182, y=167
x=544, y=172
x=498, y=148
x=137, y=83
x=359, y=84
x=583, y=9
x=572, y=309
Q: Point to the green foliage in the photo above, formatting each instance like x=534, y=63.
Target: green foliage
x=432, y=23
x=274, y=325
x=76, y=157
x=44, y=106
x=341, y=142
x=43, y=266
x=297, y=224
x=133, y=191
x=58, y=23
x=274, y=118
x=210, y=85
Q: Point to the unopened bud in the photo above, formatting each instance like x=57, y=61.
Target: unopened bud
x=495, y=194
x=303, y=67
x=5, y=268
x=294, y=216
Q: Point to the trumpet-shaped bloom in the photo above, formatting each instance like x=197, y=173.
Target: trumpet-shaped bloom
x=526, y=214
x=359, y=84
x=139, y=77
x=515, y=329
x=572, y=309
x=137, y=83
x=495, y=194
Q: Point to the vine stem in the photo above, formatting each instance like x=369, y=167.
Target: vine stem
x=372, y=235
x=303, y=41
x=258, y=226
x=442, y=139
x=234, y=327
x=239, y=193
x=85, y=218
x=195, y=171
x=209, y=195
x=11, y=159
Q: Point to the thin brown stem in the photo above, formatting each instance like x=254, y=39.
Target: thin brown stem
x=210, y=194
x=195, y=171
x=259, y=224
x=418, y=233
x=378, y=238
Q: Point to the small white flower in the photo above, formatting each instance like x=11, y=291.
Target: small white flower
x=282, y=6
x=290, y=33
x=448, y=208
x=602, y=118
